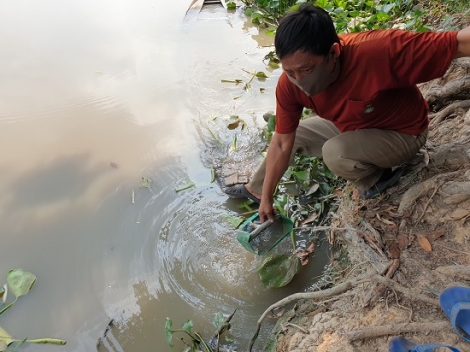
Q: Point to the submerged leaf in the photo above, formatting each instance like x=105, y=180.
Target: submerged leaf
x=168, y=332
x=218, y=320
x=278, y=270
x=20, y=282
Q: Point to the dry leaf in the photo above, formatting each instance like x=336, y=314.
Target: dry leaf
x=303, y=254
x=394, y=251
x=311, y=218
x=424, y=243
x=403, y=241
x=434, y=236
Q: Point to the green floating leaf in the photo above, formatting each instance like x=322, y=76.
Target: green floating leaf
x=48, y=341
x=5, y=339
x=261, y=75
x=168, y=332
x=145, y=183
x=20, y=282
x=234, y=143
x=188, y=326
x=234, y=221
x=187, y=185
x=231, y=5
x=248, y=11
x=278, y=270
x=212, y=174
x=272, y=123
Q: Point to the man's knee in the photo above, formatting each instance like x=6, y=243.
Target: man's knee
x=332, y=153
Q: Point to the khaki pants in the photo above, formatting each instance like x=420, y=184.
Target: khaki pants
x=358, y=156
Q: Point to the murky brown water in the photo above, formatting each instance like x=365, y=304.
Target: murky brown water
x=95, y=95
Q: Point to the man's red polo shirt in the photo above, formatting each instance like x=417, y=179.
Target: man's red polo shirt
x=376, y=87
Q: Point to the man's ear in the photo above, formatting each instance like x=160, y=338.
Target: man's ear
x=335, y=50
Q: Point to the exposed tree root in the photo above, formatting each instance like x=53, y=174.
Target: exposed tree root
x=458, y=89
x=409, y=293
x=461, y=271
x=427, y=203
x=395, y=329
x=414, y=193
x=347, y=285
x=341, y=288
x=377, y=291
x=449, y=110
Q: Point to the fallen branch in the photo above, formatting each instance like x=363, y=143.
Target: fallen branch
x=341, y=288
x=395, y=329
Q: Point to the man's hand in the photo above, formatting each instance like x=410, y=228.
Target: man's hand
x=277, y=161
x=266, y=210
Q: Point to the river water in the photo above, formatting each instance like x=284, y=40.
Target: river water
x=105, y=108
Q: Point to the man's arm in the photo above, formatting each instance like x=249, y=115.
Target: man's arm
x=277, y=162
x=463, y=39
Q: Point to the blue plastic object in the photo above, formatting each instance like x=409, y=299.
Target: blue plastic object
x=455, y=302
x=400, y=344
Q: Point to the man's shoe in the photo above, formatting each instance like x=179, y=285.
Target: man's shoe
x=240, y=191
x=388, y=179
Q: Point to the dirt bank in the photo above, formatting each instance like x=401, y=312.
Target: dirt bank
x=403, y=248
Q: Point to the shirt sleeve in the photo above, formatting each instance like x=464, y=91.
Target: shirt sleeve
x=288, y=106
x=420, y=57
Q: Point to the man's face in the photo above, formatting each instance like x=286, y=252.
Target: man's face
x=301, y=63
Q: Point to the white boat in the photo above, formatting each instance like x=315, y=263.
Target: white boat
x=197, y=5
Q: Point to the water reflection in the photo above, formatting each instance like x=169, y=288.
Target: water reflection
x=95, y=96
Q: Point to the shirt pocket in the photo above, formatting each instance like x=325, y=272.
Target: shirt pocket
x=370, y=109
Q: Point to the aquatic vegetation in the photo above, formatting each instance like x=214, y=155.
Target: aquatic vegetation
x=19, y=283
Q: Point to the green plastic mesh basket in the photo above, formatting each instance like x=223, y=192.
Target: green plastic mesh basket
x=260, y=238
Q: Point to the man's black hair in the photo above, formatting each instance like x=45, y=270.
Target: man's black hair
x=309, y=29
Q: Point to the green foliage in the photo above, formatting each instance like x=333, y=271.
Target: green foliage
x=234, y=221
x=278, y=270
x=19, y=283
x=196, y=342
